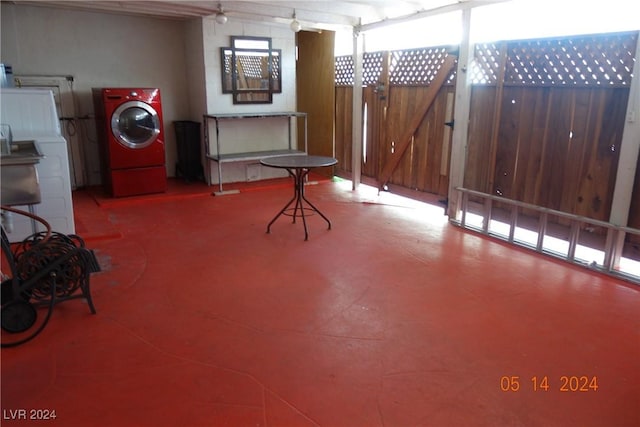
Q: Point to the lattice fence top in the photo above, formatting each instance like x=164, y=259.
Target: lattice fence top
x=416, y=66
x=604, y=60
x=406, y=67
x=372, y=67
x=484, y=69
x=344, y=70
x=598, y=60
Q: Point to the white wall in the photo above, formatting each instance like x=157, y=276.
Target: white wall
x=217, y=36
x=254, y=134
x=182, y=58
x=100, y=50
x=195, y=69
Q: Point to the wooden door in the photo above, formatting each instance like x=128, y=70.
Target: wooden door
x=315, y=74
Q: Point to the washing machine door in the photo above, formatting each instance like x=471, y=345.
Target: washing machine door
x=135, y=124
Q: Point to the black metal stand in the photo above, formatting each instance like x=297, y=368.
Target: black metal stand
x=46, y=268
x=298, y=175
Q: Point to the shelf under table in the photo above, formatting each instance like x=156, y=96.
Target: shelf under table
x=252, y=155
x=220, y=157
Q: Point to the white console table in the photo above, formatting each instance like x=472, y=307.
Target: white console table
x=219, y=155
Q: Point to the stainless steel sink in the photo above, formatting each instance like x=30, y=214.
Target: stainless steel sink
x=22, y=153
x=19, y=183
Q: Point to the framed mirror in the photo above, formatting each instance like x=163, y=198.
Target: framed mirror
x=251, y=70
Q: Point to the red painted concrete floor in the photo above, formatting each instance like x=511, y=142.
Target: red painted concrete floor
x=392, y=318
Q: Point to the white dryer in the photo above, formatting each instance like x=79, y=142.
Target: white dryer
x=32, y=115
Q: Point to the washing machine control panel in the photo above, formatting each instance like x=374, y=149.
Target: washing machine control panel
x=144, y=95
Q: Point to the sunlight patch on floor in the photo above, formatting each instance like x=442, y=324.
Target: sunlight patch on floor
x=417, y=209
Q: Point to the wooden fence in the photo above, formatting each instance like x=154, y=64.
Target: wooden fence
x=545, y=128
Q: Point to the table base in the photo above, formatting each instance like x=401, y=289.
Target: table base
x=299, y=175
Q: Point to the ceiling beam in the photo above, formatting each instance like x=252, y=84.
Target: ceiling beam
x=364, y=15
x=358, y=9
x=282, y=11
x=461, y=5
x=118, y=8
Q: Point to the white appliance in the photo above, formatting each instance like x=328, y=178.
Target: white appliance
x=32, y=115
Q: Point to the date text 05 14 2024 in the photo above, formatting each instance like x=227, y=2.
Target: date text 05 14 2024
x=564, y=383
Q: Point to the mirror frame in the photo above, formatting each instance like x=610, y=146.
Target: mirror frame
x=267, y=73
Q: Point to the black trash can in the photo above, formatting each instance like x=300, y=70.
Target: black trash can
x=189, y=164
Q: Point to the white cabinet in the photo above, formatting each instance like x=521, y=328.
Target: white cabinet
x=32, y=115
x=56, y=206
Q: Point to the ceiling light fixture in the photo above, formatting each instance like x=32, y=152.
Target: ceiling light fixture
x=295, y=25
x=221, y=18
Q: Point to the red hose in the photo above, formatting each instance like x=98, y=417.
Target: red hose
x=32, y=216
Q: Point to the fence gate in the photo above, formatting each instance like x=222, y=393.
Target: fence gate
x=407, y=111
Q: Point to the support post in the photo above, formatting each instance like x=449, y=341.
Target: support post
x=627, y=165
x=356, y=123
x=461, y=119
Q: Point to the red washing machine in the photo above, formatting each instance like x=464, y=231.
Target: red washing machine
x=131, y=137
